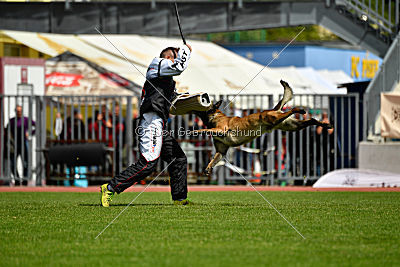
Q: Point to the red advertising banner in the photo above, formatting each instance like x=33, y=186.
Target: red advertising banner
x=59, y=79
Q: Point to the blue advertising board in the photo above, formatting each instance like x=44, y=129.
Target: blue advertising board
x=361, y=65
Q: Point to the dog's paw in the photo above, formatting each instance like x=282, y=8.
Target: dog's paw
x=207, y=171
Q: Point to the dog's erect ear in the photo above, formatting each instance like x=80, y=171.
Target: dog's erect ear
x=216, y=105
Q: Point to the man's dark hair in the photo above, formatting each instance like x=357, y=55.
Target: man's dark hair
x=165, y=50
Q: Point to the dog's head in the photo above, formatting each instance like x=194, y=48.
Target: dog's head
x=205, y=115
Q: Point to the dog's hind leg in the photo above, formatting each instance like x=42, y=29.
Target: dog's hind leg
x=287, y=96
x=292, y=124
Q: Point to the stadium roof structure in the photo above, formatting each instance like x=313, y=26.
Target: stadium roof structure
x=212, y=68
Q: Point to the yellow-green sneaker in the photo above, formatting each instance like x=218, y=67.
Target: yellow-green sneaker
x=183, y=202
x=106, y=195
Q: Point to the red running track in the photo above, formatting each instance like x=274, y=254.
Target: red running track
x=199, y=189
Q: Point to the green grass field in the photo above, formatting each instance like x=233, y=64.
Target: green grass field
x=223, y=229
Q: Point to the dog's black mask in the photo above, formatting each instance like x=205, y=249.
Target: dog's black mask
x=205, y=114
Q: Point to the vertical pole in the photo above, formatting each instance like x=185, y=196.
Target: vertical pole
x=294, y=148
x=2, y=137
x=107, y=136
x=328, y=154
x=397, y=18
x=51, y=119
x=287, y=160
x=308, y=142
x=321, y=151
x=23, y=140
x=86, y=119
x=58, y=111
x=357, y=139
x=8, y=141
x=38, y=133
x=120, y=133
x=79, y=124
x=94, y=119
x=349, y=131
x=335, y=132
x=129, y=130
x=271, y=144
x=301, y=143
x=279, y=154
x=237, y=37
x=30, y=135
x=315, y=140
x=240, y=4
x=390, y=15
x=65, y=117
x=72, y=117
x=41, y=138
x=114, y=139
x=342, y=131
x=100, y=122
x=365, y=117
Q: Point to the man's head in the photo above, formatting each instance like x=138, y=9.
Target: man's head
x=18, y=111
x=169, y=53
x=117, y=109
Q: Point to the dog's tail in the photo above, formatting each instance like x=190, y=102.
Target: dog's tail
x=287, y=96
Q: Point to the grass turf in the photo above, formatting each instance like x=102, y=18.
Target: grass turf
x=223, y=229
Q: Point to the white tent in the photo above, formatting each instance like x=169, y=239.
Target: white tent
x=212, y=69
x=358, y=178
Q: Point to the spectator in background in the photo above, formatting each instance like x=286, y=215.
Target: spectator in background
x=324, y=138
x=119, y=132
x=75, y=128
x=19, y=129
x=103, y=128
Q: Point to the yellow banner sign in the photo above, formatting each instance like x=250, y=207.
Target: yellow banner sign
x=369, y=67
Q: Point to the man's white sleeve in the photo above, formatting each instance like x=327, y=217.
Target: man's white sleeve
x=167, y=68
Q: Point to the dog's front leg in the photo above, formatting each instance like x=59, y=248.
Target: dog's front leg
x=217, y=157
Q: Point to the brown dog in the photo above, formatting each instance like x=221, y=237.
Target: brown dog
x=234, y=131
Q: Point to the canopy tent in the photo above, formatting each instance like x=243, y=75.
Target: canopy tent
x=69, y=74
x=212, y=69
x=358, y=178
x=216, y=70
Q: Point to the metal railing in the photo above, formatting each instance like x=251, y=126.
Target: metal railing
x=379, y=14
x=385, y=80
x=66, y=120
x=302, y=156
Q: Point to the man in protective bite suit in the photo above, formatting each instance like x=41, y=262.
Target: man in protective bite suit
x=157, y=95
